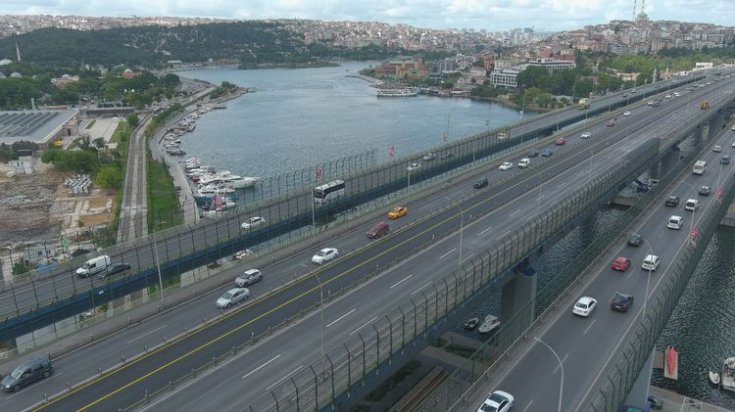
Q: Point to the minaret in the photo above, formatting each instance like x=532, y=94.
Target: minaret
x=634, y=4
x=17, y=52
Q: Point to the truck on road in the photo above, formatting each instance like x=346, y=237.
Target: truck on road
x=583, y=103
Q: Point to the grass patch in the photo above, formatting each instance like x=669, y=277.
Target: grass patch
x=121, y=136
x=164, y=209
x=389, y=384
x=89, y=126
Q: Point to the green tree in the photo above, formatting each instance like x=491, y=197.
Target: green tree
x=100, y=143
x=109, y=177
x=133, y=120
x=534, y=76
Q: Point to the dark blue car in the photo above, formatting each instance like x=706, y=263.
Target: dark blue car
x=547, y=153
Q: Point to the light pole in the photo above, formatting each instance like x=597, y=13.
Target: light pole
x=321, y=311
x=158, y=264
x=561, y=366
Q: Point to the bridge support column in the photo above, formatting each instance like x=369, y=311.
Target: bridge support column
x=715, y=125
x=638, y=395
x=518, y=303
x=671, y=160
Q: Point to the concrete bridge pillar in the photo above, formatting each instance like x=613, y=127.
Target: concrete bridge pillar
x=518, y=303
x=715, y=125
x=638, y=395
x=670, y=161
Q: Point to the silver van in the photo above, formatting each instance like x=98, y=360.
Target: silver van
x=651, y=262
x=94, y=266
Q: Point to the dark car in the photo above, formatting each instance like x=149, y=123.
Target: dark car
x=635, y=240
x=28, y=372
x=79, y=252
x=672, y=201
x=532, y=153
x=621, y=302
x=378, y=230
x=480, y=183
x=547, y=153
x=705, y=190
x=113, y=269
x=725, y=160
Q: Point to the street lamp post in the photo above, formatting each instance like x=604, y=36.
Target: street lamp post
x=561, y=367
x=321, y=311
x=158, y=263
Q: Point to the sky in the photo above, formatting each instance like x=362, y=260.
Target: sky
x=491, y=15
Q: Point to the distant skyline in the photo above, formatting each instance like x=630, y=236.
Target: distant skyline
x=491, y=15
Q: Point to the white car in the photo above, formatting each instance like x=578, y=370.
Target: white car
x=733, y=144
x=252, y=223
x=232, y=297
x=691, y=205
x=524, y=163
x=717, y=149
x=429, y=156
x=325, y=255
x=668, y=96
x=413, y=166
x=586, y=135
x=498, y=401
x=651, y=262
x=626, y=113
x=674, y=222
x=248, y=277
x=506, y=166
x=677, y=94
x=584, y=306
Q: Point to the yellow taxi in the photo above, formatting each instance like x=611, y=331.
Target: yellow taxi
x=397, y=212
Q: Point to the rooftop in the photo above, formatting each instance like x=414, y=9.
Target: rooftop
x=32, y=125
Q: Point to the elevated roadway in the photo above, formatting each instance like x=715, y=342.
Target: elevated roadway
x=112, y=390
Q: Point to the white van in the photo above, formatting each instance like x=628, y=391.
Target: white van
x=699, y=167
x=691, y=205
x=674, y=222
x=94, y=266
x=651, y=262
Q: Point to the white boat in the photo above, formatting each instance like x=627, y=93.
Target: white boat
x=237, y=182
x=471, y=323
x=399, y=92
x=489, y=324
x=714, y=378
x=727, y=377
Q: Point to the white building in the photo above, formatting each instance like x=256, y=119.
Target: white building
x=506, y=77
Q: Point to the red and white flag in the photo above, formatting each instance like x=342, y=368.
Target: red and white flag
x=319, y=172
x=391, y=152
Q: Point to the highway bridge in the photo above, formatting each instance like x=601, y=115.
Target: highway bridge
x=42, y=299
x=551, y=195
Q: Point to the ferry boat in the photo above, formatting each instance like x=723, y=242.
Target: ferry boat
x=402, y=92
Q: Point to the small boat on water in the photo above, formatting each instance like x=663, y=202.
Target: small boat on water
x=489, y=324
x=471, y=323
x=714, y=378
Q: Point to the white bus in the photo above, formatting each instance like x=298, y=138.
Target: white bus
x=329, y=191
x=699, y=167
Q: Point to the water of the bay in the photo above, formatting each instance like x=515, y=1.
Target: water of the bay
x=299, y=118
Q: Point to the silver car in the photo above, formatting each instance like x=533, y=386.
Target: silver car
x=248, y=277
x=325, y=255
x=233, y=297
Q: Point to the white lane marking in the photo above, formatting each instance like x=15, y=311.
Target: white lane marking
x=516, y=212
x=146, y=334
x=419, y=289
x=341, y=317
x=528, y=406
x=562, y=363
x=300, y=265
x=447, y=254
x=541, y=197
x=401, y=281
x=261, y=366
x=588, y=327
x=485, y=230
x=562, y=185
x=278, y=382
x=366, y=323
x=468, y=257
x=503, y=235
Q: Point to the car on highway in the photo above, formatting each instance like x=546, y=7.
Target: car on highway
x=668, y=96
x=325, y=255
x=717, y=148
x=248, y=277
x=378, y=230
x=586, y=135
x=620, y=263
x=691, y=205
x=547, y=153
x=674, y=222
x=232, y=297
x=621, y=302
x=626, y=113
x=252, y=223
x=651, y=262
x=524, y=163
x=413, y=166
x=505, y=166
x=733, y=144
x=610, y=123
x=672, y=201
x=481, y=183
x=725, y=160
x=677, y=94
x=397, y=212
x=497, y=401
x=560, y=141
x=26, y=373
x=80, y=252
x=705, y=190
x=113, y=269
x=635, y=240
x=584, y=306
x=532, y=153
x=429, y=156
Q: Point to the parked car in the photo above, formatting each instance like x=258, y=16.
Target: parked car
x=481, y=183
x=325, y=255
x=705, y=190
x=397, y=212
x=248, y=277
x=547, y=153
x=620, y=263
x=498, y=401
x=584, y=306
x=378, y=230
x=560, y=141
x=621, y=302
x=674, y=222
x=635, y=240
x=672, y=201
x=114, y=269
x=252, y=223
x=29, y=371
x=79, y=252
x=523, y=163
x=233, y=297
x=505, y=166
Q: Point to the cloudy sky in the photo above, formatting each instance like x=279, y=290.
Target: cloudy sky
x=493, y=15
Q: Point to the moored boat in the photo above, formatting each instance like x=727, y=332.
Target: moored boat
x=727, y=377
x=714, y=378
x=397, y=92
x=471, y=323
x=489, y=324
